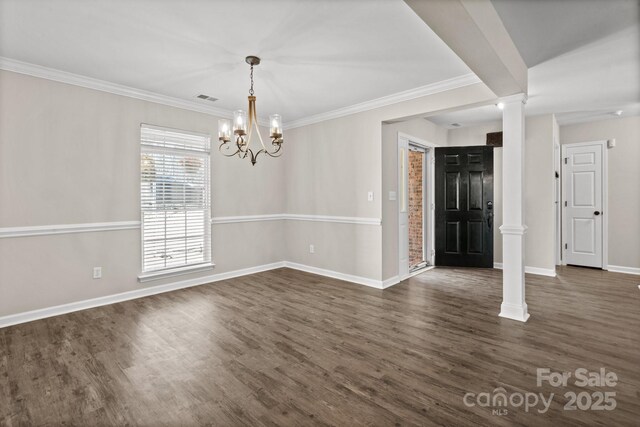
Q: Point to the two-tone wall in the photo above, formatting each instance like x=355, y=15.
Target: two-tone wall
x=69, y=188
x=539, y=188
x=539, y=182
x=70, y=156
x=623, y=185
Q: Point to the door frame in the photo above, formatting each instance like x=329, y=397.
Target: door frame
x=428, y=199
x=605, y=199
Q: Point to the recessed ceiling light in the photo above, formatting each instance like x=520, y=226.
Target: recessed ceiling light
x=617, y=113
x=500, y=105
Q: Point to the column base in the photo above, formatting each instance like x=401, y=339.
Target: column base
x=514, y=312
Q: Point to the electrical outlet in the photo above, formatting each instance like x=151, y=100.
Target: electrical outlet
x=312, y=249
x=97, y=272
x=370, y=196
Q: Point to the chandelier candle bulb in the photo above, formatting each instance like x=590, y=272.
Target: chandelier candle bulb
x=224, y=130
x=239, y=122
x=276, y=125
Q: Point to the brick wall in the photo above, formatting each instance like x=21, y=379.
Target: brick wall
x=416, y=211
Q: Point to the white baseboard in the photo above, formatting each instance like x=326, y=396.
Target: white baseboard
x=517, y=312
x=621, y=269
x=390, y=282
x=43, y=313
x=532, y=270
x=378, y=284
x=29, y=316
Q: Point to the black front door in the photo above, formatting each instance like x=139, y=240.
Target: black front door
x=464, y=206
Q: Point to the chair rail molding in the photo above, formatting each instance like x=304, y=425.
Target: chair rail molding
x=44, y=230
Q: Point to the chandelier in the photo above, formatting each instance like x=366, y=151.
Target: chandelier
x=243, y=122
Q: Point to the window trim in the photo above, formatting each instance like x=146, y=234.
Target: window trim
x=177, y=271
x=146, y=276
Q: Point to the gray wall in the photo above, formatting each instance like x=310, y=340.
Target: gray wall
x=539, y=186
x=624, y=182
x=71, y=155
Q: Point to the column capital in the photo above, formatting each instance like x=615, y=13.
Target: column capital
x=518, y=97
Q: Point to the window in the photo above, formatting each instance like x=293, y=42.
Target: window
x=175, y=199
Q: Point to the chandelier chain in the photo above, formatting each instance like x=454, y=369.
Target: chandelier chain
x=251, y=90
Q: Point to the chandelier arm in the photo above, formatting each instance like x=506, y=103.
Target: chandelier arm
x=227, y=147
x=275, y=153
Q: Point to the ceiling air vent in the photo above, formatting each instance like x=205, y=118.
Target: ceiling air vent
x=207, y=98
x=455, y=125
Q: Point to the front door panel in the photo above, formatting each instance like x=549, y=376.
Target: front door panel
x=464, y=206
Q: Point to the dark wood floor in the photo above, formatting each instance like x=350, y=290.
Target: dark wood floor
x=291, y=348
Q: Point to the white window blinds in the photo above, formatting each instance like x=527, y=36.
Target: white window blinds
x=174, y=198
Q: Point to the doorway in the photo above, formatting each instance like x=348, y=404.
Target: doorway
x=584, y=207
x=416, y=188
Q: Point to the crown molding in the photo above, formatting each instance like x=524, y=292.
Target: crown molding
x=39, y=71
x=20, y=67
x=518, y=97
x=430, y=89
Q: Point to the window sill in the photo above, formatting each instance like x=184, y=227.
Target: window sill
x=162, y=274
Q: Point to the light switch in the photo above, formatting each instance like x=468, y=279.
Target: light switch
x=370, y=196
x=392, y=195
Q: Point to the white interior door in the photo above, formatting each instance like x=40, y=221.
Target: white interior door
x=403, y=211
x=583, y=185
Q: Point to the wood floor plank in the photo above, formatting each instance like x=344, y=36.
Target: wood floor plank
x=286, y=347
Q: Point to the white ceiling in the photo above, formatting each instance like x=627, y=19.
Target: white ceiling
x=545, y=29
x=317, y=55
x=585, y=84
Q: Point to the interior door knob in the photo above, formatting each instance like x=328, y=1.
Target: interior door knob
x=596, y=213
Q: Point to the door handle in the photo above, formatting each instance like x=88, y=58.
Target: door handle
x=490, y=219
x=596, y=213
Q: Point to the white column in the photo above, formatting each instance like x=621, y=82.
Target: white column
x=513, y=228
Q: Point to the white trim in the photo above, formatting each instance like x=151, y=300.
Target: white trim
x=297, y=217
x=39, y=71
x=430, y=89
x=621, y=269
x=513, y=229
x=339, y=219
x=514, y=312
x=390, y=282
x=605, y=199
x=29, y=316
x=246, y=218
x=518, y=97
x=378, y=284
x=20, y=67
x=14, y=319
x=550, y=272
x=180, y=271
x=43, y=230
x=429, y=196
